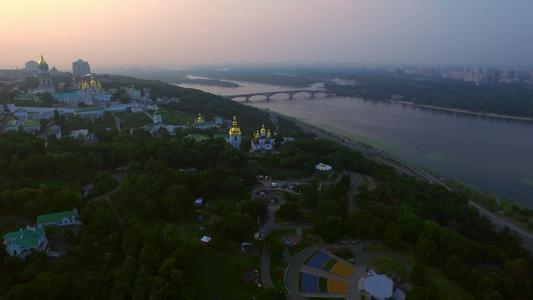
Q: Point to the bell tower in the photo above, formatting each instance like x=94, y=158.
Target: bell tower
x=45, y=80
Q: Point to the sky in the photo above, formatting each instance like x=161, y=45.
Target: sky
x=173, y=33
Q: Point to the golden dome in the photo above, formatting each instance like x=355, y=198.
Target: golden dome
x=85, y=85
x=42, y=62
x=200, y=119
x=234, y=127
x=263, y=129
x=92, y=81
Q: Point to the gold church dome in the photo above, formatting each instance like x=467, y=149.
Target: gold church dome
x=92, y=81
x=234, y=127
x=42, y=62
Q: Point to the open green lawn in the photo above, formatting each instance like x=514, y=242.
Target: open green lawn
x=178, y=118
x=222, y=274
x=134, y=120
x=448, y=289
x=277, y=270
x=387, y=264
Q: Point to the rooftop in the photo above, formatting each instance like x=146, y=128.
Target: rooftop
x=25, y=238
x=55, y=217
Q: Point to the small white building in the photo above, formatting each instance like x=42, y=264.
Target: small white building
x=23, y=242
x=90, y=112
x=134, y=93
x=59, y=219
x=12, y=125
x=32, y=126
x=78, y=134
x=202, y=124
x=55, y=130
x=41, y=115
x=262, y=141
x=21, y=113
x=11, y=106
x=137, y=109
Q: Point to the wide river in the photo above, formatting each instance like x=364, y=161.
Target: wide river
x=494, y=155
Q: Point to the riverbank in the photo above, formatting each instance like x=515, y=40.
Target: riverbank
x=462, y=111
x=504, y=212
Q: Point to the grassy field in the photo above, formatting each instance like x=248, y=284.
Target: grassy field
x=278, y=262
x=222, y=274
x=178, y=118
x=448, y=289
x=329, y=264
x=387, y=264
x=322, y=284
x=134, y=120
x=277, y=270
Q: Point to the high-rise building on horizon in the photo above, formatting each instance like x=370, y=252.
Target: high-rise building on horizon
x=46, y=84
x=80, y=68
x=32, y=66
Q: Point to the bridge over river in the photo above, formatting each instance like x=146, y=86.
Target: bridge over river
x=290, y=93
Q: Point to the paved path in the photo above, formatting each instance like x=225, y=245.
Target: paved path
x=119, y=177
x=355, y=180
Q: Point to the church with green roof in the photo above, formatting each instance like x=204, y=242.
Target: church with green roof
x=23, y=242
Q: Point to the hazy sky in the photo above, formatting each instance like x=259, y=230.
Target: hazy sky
x=183, y=32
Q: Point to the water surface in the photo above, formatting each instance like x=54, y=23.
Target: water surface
x=488, y=153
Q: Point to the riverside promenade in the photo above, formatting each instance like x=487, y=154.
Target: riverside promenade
x=410, y=169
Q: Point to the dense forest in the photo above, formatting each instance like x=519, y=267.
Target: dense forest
x=502, y=99
x=136, y=247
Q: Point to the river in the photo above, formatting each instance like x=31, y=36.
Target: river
x=494, y=155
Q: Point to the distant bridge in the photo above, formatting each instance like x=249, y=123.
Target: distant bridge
x=267, y=95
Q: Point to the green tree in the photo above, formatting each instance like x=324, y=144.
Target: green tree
x=289, y=211
x=393, y=236
x=426, y=252
x=517, y=269
x=418, y=275
x=330, y=228
x=271, y=294
x=274, y=243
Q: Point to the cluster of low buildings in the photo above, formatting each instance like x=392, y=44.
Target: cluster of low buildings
x=89, y=100
x=96, y=101
x=473, y=74
x=262, y=141
x=23, y=242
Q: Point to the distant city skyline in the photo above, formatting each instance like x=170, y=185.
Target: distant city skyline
x=176, y=33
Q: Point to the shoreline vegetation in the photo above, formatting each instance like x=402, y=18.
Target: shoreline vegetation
x=509, y=210
x=211, y=82
x=462, y=111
